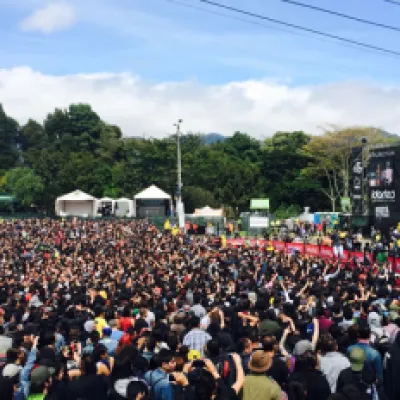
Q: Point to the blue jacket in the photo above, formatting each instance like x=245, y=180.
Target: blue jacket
x=160, y=385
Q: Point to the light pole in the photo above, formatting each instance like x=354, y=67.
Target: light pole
x=179, y=203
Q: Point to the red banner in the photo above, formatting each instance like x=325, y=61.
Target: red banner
x=345, y=256
x=312, y=250
x=279, y=246
x=326, y=252
x=235, y=242
x=291, y=247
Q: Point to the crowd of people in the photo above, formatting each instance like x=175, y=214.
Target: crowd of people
x=115, y=310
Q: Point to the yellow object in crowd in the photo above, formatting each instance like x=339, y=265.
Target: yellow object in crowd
x=223, y=240
x=167, y=225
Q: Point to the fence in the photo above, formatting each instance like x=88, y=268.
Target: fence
x=325, y=252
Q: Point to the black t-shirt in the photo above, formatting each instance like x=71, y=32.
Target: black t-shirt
x=225, y=392
x=279, y=372
x=90, y=387
x=317, y=385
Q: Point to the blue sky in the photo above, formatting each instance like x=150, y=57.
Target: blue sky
x=160, y=41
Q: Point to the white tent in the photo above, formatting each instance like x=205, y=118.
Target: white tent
x=76, y=203
x=209, y=212
x=124, y=207
x=152, y=193
x=155, y=199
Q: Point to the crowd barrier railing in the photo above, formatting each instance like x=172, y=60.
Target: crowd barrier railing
x=314, y=250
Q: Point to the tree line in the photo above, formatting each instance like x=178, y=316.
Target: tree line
x=74, y=148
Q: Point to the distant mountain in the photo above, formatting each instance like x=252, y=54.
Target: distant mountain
x=211, y=138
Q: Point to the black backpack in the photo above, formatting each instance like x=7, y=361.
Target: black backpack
x=226, y=368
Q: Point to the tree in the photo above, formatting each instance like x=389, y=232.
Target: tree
x=9, y=154
x=283, y=161
x=25, y=185
x=330, y=158
x=196, y=197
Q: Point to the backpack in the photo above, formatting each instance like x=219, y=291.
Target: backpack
x=226, y=368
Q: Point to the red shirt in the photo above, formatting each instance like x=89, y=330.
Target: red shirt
x=324, y=323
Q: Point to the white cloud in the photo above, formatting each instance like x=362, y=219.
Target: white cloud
x=257, y=107
x=53, y=17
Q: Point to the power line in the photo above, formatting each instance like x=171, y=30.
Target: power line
x=338, y=14
x=229, y=16
x=301, y=28
x=257, y=23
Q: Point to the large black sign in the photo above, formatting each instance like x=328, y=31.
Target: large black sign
x=357, y=173
x=383, y=186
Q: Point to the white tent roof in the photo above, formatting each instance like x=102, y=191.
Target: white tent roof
x=208, y=211
x=76, y=195
x=106, y=199
x=152, y=193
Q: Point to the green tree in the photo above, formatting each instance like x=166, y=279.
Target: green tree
x=9, y=154
x=330, y=158
x=197, y=197
x=25, y=185
x=284, y=159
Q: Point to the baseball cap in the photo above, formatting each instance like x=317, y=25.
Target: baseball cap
x=89, y=326
x=194, y=355
x=40, y=374
x=357, y=358
x=11, y=370
x=301, y=347
x=107, y=331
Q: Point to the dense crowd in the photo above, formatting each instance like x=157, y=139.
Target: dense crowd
x=119, y=310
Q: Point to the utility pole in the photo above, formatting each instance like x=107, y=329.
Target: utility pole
x=179, y=203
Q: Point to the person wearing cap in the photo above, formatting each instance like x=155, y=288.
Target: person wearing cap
x=308, y=374
x=106, y=340
x=258, y=386
x=41, y=380
x=373, y=358
x=352, y=374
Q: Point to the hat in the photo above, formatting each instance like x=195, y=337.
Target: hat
x=11, y=370
x=40, y=374
x=357, y=358
x=89, y=326
x=194, y=355
x=259, y=361
x=107, y=331
x=301, y=347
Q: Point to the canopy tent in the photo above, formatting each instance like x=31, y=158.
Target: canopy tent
x=209, y=212
x=124, y=207
x=152, y=193
x=76, y=203
x=153, y=202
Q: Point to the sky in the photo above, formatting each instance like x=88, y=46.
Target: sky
x=144, y=64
